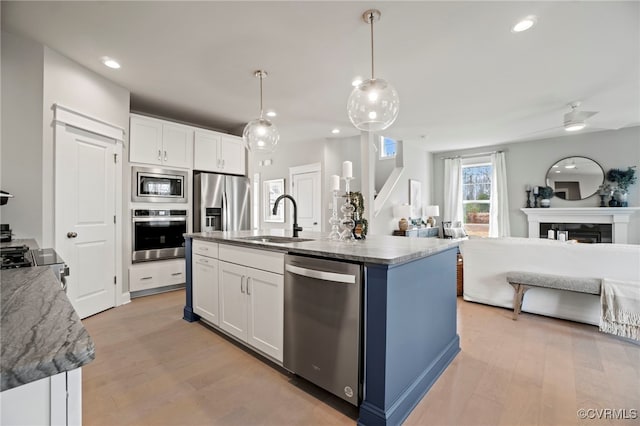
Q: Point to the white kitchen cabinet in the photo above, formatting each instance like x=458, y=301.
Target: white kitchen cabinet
x=158, y=273
x=160, y=142
x=251, y=299
x=205, y=280
x=233, y=299
x=55, y=400
x=217, y=152
x=233, y=155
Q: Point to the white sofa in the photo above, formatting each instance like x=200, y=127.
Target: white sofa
x=487, y=261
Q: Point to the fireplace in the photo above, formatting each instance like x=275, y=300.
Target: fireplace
x=617, y=219
x=581, y=232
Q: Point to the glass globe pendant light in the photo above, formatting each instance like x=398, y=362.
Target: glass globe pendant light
x=373, y=104
x=260, y=134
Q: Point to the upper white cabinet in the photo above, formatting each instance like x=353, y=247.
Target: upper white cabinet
x=153, y=141
x=217, y=152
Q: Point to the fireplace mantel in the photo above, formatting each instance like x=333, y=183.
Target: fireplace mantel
x=617, y=216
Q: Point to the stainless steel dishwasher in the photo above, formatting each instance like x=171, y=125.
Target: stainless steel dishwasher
x=322, y=323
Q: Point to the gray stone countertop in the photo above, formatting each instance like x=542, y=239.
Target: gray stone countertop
x=375, y=249
x=31, y=243
x=41, y=332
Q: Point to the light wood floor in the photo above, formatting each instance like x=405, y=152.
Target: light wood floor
x=153, y=368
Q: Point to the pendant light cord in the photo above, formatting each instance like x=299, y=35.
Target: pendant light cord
x=371, y=22
x=261, y=95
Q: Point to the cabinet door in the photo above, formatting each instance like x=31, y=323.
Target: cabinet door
x=145, y=140
x=233, y=299
x=205, y=288
x=177, y=142
x=206, y=151
x=266, y=309
x=233, y=154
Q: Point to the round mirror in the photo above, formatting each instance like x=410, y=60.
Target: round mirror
x=575, y=178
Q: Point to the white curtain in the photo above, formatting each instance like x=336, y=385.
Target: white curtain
x=499, y=204
x=452, y=191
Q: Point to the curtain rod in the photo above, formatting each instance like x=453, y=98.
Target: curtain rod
x=479, y=154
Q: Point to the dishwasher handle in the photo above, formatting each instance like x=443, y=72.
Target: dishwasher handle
x=321, y=275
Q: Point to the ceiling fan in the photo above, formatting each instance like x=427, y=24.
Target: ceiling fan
x=575, y=120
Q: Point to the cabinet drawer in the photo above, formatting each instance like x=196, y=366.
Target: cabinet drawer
x=205, y=248
x=156, y=274
x=270, y=261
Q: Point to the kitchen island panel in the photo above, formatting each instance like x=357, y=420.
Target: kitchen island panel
x=410, y=334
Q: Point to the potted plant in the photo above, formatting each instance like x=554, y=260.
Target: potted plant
x=623, y=179
x=545, y=193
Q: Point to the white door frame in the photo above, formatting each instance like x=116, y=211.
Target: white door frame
x=64, y=116
x=307, y=168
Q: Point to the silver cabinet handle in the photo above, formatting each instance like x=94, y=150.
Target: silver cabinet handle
x=72, y=234
x=159, y=155
x=165, y=155
x=242, y=284
x=248, y=288
x=175, y=274
x=145, y=278
x=200, y=261
x=223, y=164
x=321, y=275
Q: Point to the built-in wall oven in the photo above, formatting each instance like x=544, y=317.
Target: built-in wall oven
x=158, y=234
x=158, y=185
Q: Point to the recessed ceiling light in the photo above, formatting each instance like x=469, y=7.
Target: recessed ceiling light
x=356, y=82
x=271, y=114
x=524, y=24
x=110, y=62
x=574, y=127
x=335, y=131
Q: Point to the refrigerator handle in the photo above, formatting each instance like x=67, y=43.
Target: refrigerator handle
x=225, y=212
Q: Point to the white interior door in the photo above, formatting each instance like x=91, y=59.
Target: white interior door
x=85, y=215
x=305, y=188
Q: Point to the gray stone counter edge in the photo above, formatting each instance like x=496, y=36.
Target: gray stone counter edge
x=298, y=248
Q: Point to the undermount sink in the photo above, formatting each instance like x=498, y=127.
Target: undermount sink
x=273, y=239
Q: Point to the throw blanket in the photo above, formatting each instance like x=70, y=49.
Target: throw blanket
x=620, y=314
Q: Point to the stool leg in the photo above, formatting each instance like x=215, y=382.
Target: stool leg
x=517, y=299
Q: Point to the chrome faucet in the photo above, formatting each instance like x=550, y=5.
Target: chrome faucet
x=296, y=228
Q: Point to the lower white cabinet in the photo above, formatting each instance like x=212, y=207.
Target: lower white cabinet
x=158, y=273
x=55, y=400
x=252, y=306
x=205, y=287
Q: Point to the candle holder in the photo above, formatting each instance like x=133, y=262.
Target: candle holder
x=347, y=210
x=334, y=221
x=535, y=201
x=602, y=197
x=528, y=198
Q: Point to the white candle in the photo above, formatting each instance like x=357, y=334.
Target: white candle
x=551, y=234
x=535, y=190
x=528, y=188
x=335, y=183
x=347, y=169
x=561, y=237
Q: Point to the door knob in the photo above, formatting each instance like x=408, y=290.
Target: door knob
x=72, y=234
x=315, y=223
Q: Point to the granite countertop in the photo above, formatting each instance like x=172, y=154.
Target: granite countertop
x=375, y=249
x=41, y=332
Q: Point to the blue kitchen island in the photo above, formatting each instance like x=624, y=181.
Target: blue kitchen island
x=409, y=311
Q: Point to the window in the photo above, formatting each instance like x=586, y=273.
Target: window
x=476, y=191
x=388, y=148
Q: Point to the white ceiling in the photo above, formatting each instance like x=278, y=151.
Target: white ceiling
x=463, y=77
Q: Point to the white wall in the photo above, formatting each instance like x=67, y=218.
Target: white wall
x=21, y=150
x=528, y=162
x=70, y=84
x=287, y=154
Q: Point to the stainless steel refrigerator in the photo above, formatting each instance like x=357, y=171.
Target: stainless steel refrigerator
x=221, y=202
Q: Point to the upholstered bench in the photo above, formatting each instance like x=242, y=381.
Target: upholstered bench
x=522, y=281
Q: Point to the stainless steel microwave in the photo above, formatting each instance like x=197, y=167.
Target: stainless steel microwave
x=157, y=185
